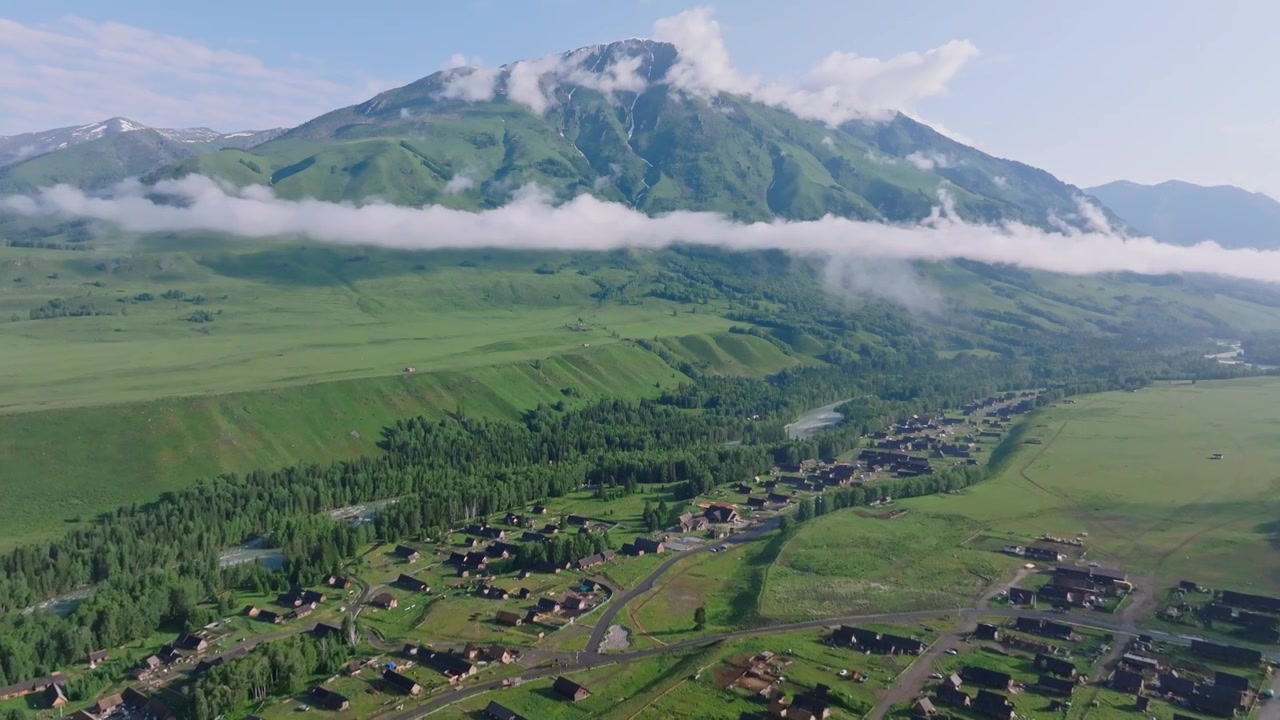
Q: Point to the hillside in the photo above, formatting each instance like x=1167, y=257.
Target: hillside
x=1185, y=214
x=657, y=149
x=96, y=155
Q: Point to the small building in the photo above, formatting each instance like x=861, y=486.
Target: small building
x=539, y=510
x=302, y=612
x=337, y=581
x=328, y=699
x=1055, y=666
x=412, y=584
x=55, y=696
x=597, y=559
x=925, y=707
x=987, y=631
x=97, y=657
x=1022, y=596
x=386, y=601
x=993, y=705
x=508, y=618
x=401, y=683
x=193, y=642
x=570, y=690
x=1128, y=681
x=269, y=616
x=548, y=605
x=655, y=547
x=406, y=553
x=719, y=513
x=494, y=711
x=757, y=502
x=1053, y=685
x=986, y=677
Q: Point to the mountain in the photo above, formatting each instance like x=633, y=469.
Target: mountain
x=1185, y=214
x=654, y=148
x=98, y=154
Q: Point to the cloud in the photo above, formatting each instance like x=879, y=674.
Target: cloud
x=1000, y=181
x=533, y=83
x=459, y=183
x=532, y=221
x=842, y=87
x=930, y=160
x=828, y=141
x=75, y=70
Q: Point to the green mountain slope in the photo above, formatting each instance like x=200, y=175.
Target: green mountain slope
x=1185, y=214
x=657, y=150
x=97, y=163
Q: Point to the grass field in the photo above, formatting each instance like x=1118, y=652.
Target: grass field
x=845, y=564
x=1132, y=470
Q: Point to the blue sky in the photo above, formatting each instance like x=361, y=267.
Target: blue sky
x=1092, y=91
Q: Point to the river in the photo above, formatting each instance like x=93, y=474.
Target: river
x=1234, y=355
x=814, y=420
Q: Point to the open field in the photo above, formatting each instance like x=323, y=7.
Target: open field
x=844, y=564
x=1133, y=471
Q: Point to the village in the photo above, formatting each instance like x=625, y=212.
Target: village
x=439, y=613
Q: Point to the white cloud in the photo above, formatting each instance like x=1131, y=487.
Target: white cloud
x=75, y=70
x=842, y=87
x=533, y=83
x=828, y=141
x=1000, y=181
x=930, y=160
x=459, y=184
x=531, y=221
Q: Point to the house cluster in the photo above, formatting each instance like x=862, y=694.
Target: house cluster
x=52, y=686
x=184, y=648
x=760, y=675
x=1255, y=617
x=1142, y=673
x=874, y=642
x=1003, y=406
x=988, y=702
x=130, y=704
x=806, y=706
x=1071, y=586
x=900, y=464
x=297, y=603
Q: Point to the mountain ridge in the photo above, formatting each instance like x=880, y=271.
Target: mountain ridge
x=1185, y=213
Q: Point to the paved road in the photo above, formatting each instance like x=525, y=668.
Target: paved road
x=620, y=601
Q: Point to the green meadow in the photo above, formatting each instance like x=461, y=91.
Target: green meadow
x=1133, y=471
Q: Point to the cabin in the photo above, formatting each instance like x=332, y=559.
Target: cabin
x=454, y=667
x=1055, y=666
x=406, y=553
x=193, y=642
x=1052, y=685
x=719, y=513
x=993, y=705
x=1217, y=700
x=494, y=711
x=501, y=549
x=298, y=597
x=986, y=677
x=492, y=592
x=1047, y=628
x=987, y=631
x=401, y=683
x=1246, y=601
x=329, y=700
x=1043, y=553
x=412, y=584
x=302, y=612
x=337, y=581
x=778, y=499
x=1021, y=596
x=268, y=616
x=386, y=601
x=548, y=605
x=650, y=546
x=757, y=503
x=1128, y=681
x=570, y=690
x=594, y=560
x=1229, y=654
x=871, y=641
x=324, y=630
x=689, y=523
x=55, y=696
x=97, y=657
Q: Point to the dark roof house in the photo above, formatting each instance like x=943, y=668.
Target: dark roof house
x=569, y=689
x=400, y=682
